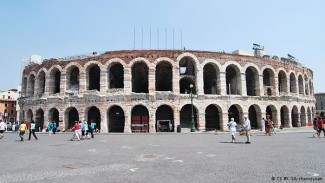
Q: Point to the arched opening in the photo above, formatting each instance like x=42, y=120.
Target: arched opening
x=295, y=117
x=164, y=77
x=116, y=76
x=211, y=78
x=269, y=92
x=235, y=112
x=73, y=78
x=268, y=81
x=252, y=86
x=212, y=118
x=24, y=87
x=271, y=113
x=306, y=85
x=31, y=85
x=303, y=116
x=39, y=120
x=41, y=82
x=164, y=119
x=71, y=116
x=93, y=77
x=185, y=84
x=309, y=115
x=282, y=82
x=116, y=119
x=186, y=116
x=140, y=78
x=187, y=67
x=30, y=116
x=140, y=119
x=54, y=116
x=254, y=114
x=284, y=113
x=94, y=115
x=293, y=83
x=233, y=80
x=54, y=82
x=301, y=85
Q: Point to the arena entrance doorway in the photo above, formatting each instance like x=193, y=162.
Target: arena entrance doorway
x=116, y=119
x=140, y=119
x=164, y=119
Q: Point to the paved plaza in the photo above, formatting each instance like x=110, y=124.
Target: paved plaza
x=289, y=156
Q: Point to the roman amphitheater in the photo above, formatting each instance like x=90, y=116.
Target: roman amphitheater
x=150, y=90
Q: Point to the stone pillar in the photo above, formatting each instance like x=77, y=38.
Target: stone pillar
x=201, y=121
x=243, y=84
x=103, y=80
x=82, y=115
x=262, y=93
x=276, y=86
x=127, y=81
x=289, y=122
x=152, y=121
x=176, y=81
x=127, y=125
x=151, y=79
x=200, y=82
x=103, y=122
x=82, y=82
x=36, y=87
x=223, y=85
x=47, y=85
x=46, y=118
x=63, y=83
x=277, y=122
x=288, y=85
x=61, y=120
x=176, y=119
x=225, y=121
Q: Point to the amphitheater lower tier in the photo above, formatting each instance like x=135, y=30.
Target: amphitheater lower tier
x=165, y=111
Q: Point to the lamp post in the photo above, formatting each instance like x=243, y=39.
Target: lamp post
x=192, y=113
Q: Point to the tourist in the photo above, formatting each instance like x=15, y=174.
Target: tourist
x=85, y=131
x=247, y=128
x=271, y=126
x=232, y=129
x=32, y=130
x=315, y=127
x=92, y=128
x=2, y=128
x=75, y=129
x=22, y=130
x=49, y=128
x=267, y=127
x=54, y=127
x=263, y=125
x=320, y=126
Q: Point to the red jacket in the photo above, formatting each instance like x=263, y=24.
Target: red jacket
x=26, y=122
x=76, y=127
x=320, y=124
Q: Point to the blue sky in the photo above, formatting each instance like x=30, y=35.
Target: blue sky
x=69, y=27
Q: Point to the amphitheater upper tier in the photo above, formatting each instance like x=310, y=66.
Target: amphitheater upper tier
x=150, y=90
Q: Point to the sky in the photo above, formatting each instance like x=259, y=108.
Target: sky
x=63, y=28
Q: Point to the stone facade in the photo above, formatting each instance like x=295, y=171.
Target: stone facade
x=141, y=90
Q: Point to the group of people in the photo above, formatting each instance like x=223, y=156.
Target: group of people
x=319, y=126
x=52, y=127
x=81, y=130
x=24, y=127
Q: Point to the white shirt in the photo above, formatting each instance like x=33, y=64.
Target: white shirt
x=232, y=126
x=2, y=126
x=247, y=124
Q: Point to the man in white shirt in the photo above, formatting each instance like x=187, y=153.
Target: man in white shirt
x=2, y=128
x=247, y=128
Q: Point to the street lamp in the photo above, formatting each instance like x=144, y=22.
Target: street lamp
x=192, y=113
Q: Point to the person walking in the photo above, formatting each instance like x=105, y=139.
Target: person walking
x=247, y=128
x=232, y=129
x=320, y=126
x=32, y=130
x=2, y=128
x=271, y=126
x=263, y=125
x=49, y=128
x=315, y=127
x=22, y=130
x=75, y=129
x=54, y=127
x=85, y=130
x=92, y=128
x=267, y=127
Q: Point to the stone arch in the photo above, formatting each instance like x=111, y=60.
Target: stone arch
x=165, y=118
x=93, y=114
x=252, y=81
x=186, y=116
x=235, y=111
x=53, y=116
x=115, y=75
x=54, y=79
x=116, y=119
x=140, y=119
x=303, y=116
x=282, y=81
x=71, y=115
x=213, y=117
x=31, y=85
x=269, y=81
x=73, y=77
x=271, y=113
x=39, y=120
x=115, y=61
x=41, y=77
x=284, y=115
x=188, y=69
x=164, y=76
x=185, y=85
x=254, y=115
x=295, y=116
x=293, y=83
x=187, y=55
x=301, y=84
x=93, y=75
x=164, y=59
x=140, y=77
x=141, y=60
x=233, y=80
x=211, y=79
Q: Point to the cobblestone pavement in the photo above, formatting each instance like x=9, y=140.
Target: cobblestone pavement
x=164, y=157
